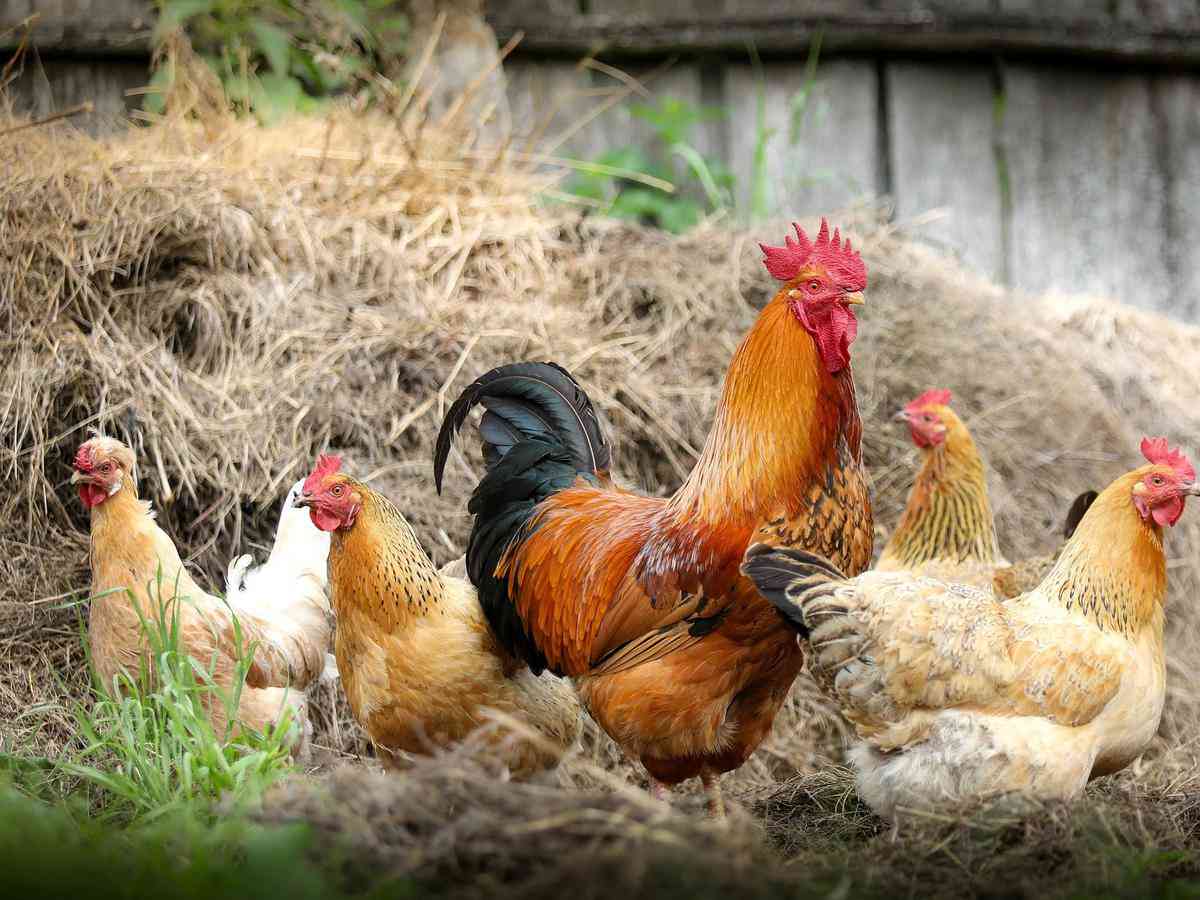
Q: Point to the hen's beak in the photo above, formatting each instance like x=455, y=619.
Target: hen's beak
x=1193, y=489
x=77, y=476
x=854, y=298
x=304, y=501
x=901, y=416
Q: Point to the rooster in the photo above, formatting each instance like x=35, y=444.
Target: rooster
x=419, y=664
x=958, y=696
x=947, y=530
x=639, y=599
x=136, y=567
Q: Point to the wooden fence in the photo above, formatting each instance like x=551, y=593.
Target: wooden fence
x=1053, y=146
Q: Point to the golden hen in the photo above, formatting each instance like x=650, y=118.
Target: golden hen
x=958, y=695
x=418, y=662
x=136, y=567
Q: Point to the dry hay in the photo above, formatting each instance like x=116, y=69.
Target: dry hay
x=233, y=299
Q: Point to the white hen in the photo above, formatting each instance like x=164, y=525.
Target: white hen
x=293, y=584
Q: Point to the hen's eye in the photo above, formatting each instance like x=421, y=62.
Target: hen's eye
x=814, y=285
x=1157, y=481
x=107, y=467
x=337, y=490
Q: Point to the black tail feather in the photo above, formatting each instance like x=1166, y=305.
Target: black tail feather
x=527, y=400
x=1077, y=511
x=777, y=572
x=540, y=433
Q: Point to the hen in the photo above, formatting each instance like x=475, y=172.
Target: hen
x=293, y=581
x=639, y=599
x=947, y=530
x=419, y=665
x=136, y=567
x=959, y=696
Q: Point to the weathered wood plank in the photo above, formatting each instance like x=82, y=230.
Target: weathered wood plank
x=942, y=125
x=1156, y=35
x=1177, y=112
x=821, y=161
x=51, y=85
x=95, y=27
x=1160, y=32
x=1087, y=190
x=551, y=99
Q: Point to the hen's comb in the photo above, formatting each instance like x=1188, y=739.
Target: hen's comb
x=83, y=457
x=840, y=260
x=1159, y=453
x=326, y=465
x=935, y=397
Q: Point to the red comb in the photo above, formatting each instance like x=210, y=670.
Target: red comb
x=83, y=457
x=840, y=260
x=935, y=397
x=326, y=465
x=1159, y=453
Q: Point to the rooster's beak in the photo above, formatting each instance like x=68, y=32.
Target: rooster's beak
x=854, y=298
x=304, y=501
x=901, y=416
x=77, y=476
x=1193, y=489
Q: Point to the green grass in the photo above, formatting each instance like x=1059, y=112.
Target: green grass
x=146, y=747
x=150, y=796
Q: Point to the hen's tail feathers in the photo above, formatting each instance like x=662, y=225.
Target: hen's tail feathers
x=540, y=433
x=1077, y=511
x=785, y=575
x=527, y=401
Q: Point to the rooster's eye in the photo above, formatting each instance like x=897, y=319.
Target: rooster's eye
x=814, y=285
x=337, y=490
x=1157, y=481
x=107, y=467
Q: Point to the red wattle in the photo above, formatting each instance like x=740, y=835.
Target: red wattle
x=326, y=521
x=1168, y=512
x=92, y=495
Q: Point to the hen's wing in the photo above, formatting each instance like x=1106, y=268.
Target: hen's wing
x=891, y=646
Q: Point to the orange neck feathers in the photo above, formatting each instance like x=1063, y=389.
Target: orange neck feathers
x=1113, y=569
x=111, y=519
x=948, y=515
x=782, y=424
x=377, y=566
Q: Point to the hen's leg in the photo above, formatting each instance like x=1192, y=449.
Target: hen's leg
x=712, y=787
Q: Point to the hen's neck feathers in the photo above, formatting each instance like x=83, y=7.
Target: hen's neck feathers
x=780, y=423
x=112, y=519
x=1113, y=569
x=948, y=515
x=377, y=566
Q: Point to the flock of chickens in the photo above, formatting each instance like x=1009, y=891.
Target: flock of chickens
x=679, y=623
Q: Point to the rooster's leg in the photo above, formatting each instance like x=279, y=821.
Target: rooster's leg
x=712, y=787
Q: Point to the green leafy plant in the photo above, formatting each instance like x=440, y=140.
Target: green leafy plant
x=279, y=57
x=681, y=184
x=146, y=744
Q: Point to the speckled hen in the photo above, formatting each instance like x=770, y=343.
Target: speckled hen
x=420, y=667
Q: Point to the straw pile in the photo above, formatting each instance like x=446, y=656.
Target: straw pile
x=232, y=300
